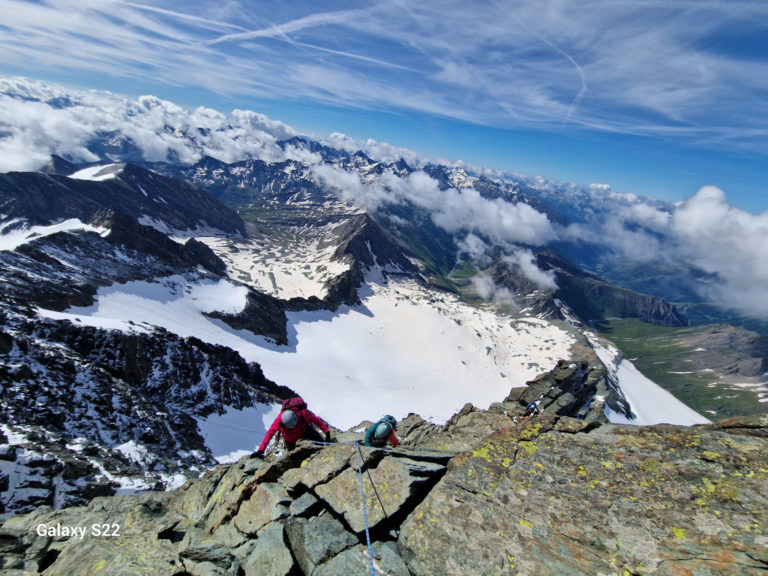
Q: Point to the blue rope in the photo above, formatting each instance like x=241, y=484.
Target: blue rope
x=365, y=511
x=362, y=496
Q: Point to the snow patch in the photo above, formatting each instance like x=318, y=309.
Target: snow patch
x=134, y=452
x=177, y=235
x=14, y=437
x=296, y=268
x=649, y=402
x=98, y=173
x=23, y=235
x=175, y=303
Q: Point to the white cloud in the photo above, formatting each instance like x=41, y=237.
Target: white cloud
x=37, y=120
x=474, y=247
x=489, y=291
x=729, y=242
x=461, y=212
x=525, y=261
x=466, y=210
x=380, y=151
x=350, y=187
x=703, y=231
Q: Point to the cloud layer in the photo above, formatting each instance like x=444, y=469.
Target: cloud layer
x=693, y=71
x=454, y=210
x=704, y=231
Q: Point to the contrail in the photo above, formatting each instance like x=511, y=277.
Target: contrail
x=282, y=30
x=184, y=16
x=563, y=53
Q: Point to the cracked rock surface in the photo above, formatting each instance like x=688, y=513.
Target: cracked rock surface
x=487, y=493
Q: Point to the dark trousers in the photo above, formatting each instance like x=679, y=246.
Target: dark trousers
x=311, y=434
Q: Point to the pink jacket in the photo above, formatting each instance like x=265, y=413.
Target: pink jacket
x=306, y=418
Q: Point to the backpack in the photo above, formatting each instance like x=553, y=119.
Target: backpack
x=295, y=403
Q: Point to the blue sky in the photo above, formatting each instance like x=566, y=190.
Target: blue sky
x=654, y=98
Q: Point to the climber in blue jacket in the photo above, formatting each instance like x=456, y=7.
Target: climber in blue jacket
x=382, y=432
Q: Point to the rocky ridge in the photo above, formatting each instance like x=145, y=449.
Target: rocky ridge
x=489, y=492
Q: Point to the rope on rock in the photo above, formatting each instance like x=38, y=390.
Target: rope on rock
x=365, y=510
x=362, y=496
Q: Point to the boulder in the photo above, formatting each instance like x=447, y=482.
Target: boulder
x=317, y=540
x=356, y=560
x=388, y=488
x=268, y=503
x=268, y=555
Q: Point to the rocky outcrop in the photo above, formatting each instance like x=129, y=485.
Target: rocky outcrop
x=554, y=497
x=146, y=240
x=540, y=496
x=129, y=418
x=369, y=245
x=727, y=350
x=262, y=314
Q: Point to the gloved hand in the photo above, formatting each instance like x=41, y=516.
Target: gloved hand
x=258, y=454
x=327, y=436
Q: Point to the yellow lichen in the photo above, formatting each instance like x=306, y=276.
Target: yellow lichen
x=709, y=455
x=530, y=432
x=483, y=453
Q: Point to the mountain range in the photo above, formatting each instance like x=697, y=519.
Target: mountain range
x=153, y=314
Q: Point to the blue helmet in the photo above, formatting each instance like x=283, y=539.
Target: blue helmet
x=390, y=420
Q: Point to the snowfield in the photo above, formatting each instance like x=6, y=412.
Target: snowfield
x=298, y=268
x=403, y=350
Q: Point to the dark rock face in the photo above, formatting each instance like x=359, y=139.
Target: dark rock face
x=369, y=244
x=146, y=240
x=140, y=389
x=552, y=495
x=135, y=192
x=262, y=314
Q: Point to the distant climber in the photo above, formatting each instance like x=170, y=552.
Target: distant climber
x=533, y=408
x=382, y=432
x=295, y=422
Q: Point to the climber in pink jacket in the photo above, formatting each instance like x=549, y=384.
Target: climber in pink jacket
x=295, y=422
